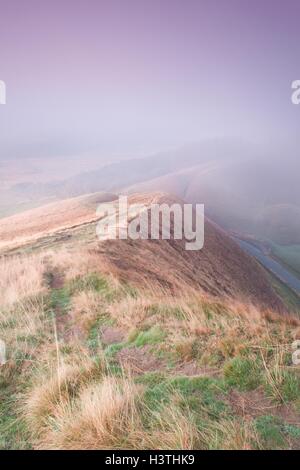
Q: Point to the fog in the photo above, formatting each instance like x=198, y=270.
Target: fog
x=135, y=77
x=90, y=84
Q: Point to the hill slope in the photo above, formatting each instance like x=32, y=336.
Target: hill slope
x=19, y=229
x=98, y=362
x=221, y=268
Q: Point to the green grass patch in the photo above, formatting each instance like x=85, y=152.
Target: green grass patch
x=269, y=429
x=93, y=340
x=289, y=255
x=151, y=379
x=242, y=373
x=292, y=431
x=201, y=395
x=152, y=336
x=97, y=283
x=113, y=349
x=13, y=432
x=91, y=281
x=59, y=300
x=94, y=337
x=288, y=387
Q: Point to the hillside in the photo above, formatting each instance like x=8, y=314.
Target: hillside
x=114, y=346
x=221, y=268
x=19, y=229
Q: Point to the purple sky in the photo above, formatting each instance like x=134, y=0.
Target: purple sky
x=140, y=75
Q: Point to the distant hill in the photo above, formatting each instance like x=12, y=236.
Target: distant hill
x=244, y=189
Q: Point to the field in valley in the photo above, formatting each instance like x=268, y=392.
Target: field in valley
x=289, y=255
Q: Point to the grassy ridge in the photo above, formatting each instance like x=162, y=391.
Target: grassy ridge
x=93, y=363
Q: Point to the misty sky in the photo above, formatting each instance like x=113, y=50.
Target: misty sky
x=133, y=76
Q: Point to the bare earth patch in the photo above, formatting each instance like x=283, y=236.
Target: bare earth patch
x=191, y=369
x=57, y=280
x=255, y=403
x=252, y=403
x=111, y=335
x=140, y=360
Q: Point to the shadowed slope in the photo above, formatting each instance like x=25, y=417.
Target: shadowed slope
x=221, y=268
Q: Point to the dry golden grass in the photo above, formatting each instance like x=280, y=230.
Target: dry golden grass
x=106, y=415
x=234, y=434
x=221, y=327
x=76, y=400
x=20, y=229
x=221, y=268
x=73, y=263
x=174, y=430
x=58, y=386
x=20, y=277
x=129, y=313
x=103, y=416
x=27, y=315
x=85, y=309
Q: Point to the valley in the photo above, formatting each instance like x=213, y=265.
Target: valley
x=273, y=266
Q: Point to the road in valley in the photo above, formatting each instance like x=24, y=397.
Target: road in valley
x=274, y=266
